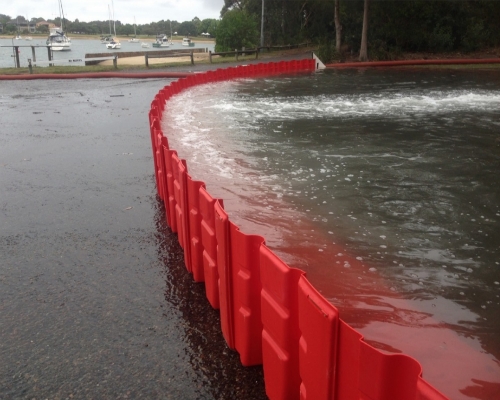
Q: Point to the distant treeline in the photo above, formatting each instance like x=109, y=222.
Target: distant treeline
x=187, y=28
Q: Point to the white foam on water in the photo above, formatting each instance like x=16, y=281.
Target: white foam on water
x=354, y=105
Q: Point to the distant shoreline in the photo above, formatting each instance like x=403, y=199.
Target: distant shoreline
x=176, y=39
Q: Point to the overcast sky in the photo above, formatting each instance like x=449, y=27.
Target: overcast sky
x=144, y=11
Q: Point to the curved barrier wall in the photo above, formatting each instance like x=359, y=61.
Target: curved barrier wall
x=270, y=313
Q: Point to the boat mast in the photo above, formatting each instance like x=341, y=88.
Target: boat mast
x=109, y=20
x=61, y=15
x=114, y=22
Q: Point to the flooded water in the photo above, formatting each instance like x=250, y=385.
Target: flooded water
x=95, y=301
x=79, y=47
x=383, y=185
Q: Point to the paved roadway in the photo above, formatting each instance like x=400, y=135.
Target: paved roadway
x=95, y=301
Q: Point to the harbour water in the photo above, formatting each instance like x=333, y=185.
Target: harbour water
x=383, y=186
x=79, y=47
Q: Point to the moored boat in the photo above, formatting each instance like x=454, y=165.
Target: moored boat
x=161, y=41
x=134, y=39
x=57, y=40
x=114, y=44
x=187, y=42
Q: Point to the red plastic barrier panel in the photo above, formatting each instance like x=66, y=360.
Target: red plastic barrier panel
x=160, y=166
x=280, y=333
x=223, y=264
x=180, y=193
x=209, y=243
x=238, y=262
x=167, y=193
x=152, y=127
x=246, y=288
x=319, y=325
x=170, y=202
x=364, y=372
x=194, y=219
x=426, y=392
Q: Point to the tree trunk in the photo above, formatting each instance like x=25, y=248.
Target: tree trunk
x=363, y=52
x=338, y=27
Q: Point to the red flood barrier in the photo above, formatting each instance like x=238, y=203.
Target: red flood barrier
x=270, y=313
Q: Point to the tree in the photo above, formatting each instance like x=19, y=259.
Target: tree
x=43, y=29
x=363, y=52
x=237, y=29
x=208, y=25
x=187, y=28
x=338, y=27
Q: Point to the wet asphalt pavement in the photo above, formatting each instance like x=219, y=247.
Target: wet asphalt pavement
x=95, y=301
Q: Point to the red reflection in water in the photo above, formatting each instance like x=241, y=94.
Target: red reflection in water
x=452, y=361
x=452, y=358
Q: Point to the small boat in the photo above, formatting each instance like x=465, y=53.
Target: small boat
x=114, y=44
x=57, y=40
x=28, y=38
x=161, y=41
x=187, y=42
x=18, y=37
x=134, y=39
x=144, y=44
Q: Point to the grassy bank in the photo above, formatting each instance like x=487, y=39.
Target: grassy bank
x=139, y=65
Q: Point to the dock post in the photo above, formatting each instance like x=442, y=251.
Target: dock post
x=115, y=61
x=192, y=58
x=30, y=66
x=16, y=55
x=147, y=61
x=33, y=53
x=49, y=55
x=236, y=51
x=210, y=56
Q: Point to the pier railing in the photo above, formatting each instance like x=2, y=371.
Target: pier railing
x=16, y=53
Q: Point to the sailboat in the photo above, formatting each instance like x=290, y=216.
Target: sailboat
x=134, y=39
x=114, y=44
x=105, y=39
x=18, y=37
x=57, y=39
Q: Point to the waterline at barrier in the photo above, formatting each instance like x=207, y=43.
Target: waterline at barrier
x=270, y=313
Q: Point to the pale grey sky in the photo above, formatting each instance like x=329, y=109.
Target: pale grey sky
x=144, y=11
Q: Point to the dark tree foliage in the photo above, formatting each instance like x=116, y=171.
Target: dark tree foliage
x=395, y=25
x=236, y=30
